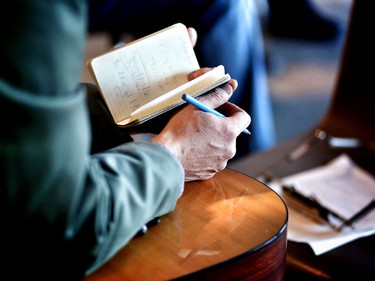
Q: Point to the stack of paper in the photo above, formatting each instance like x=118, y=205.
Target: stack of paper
x=343, y=187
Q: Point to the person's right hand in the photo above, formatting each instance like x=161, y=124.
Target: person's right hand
x=202, y=141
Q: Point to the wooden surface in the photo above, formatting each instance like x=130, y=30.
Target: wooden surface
x=230, y=226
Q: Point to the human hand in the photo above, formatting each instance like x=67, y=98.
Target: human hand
x=193, y=35
x=202, y=141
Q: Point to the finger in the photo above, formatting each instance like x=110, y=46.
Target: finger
x=219, y=95
x=193, y=35
x=198, y=72
x=233, y=83
x=240, y=118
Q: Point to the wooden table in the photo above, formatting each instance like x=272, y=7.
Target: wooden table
x=227, y=227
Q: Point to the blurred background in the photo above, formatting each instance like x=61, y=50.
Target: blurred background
x=302, y=73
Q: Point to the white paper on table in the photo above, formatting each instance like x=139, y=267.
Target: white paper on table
x=343, y=187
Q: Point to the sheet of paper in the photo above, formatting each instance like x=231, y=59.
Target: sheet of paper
x=198, y=86
x=343, y=187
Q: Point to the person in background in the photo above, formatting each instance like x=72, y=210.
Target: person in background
x=66, y=211
x=230, y=34
x=300, y=20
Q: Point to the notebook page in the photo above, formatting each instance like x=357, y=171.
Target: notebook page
x=133, y=75
x=195, y=87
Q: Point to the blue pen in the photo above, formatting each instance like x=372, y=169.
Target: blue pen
x=204, y=108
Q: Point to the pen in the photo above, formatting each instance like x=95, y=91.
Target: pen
x=361, y=213
x=201, y=106
x=310, y=206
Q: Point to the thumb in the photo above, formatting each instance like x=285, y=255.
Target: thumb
x=219, y=95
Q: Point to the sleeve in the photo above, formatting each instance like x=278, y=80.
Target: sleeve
x=63, y=211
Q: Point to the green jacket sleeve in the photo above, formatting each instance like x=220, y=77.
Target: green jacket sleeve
x=63, y=211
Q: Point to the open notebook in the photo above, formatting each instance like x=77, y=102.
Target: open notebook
x=148, y=76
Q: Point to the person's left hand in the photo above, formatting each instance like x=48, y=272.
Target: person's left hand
x=193, y=35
